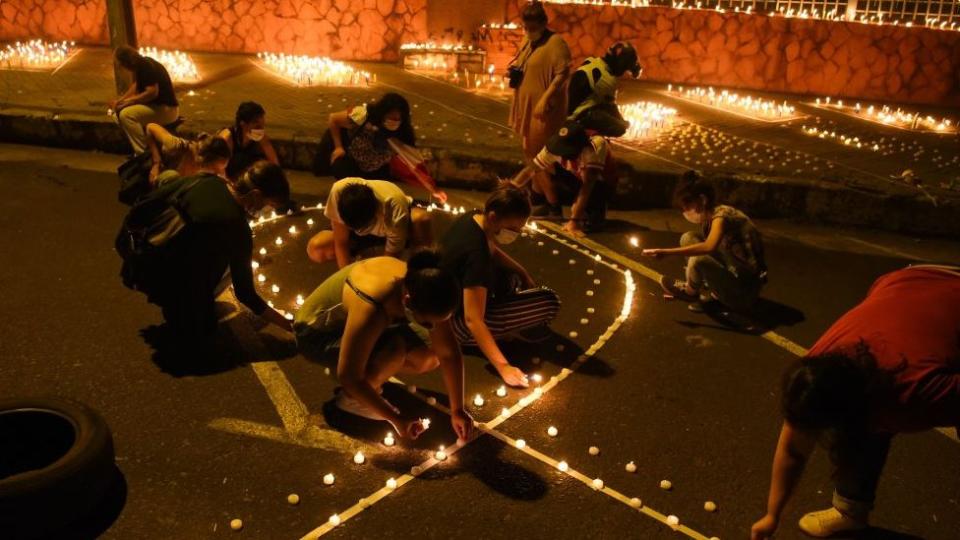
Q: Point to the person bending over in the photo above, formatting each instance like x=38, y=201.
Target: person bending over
x=500, y=298
x=362, y=214
x=725, y=259
x=150, y=98
x=387, y=317
x=174, y=156
x=890, y=365
x=217, y=238
x=576, y=168
x=248, y=139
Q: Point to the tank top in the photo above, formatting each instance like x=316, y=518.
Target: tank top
x=243, y=155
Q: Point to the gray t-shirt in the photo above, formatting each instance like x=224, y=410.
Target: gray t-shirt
x=393, y=217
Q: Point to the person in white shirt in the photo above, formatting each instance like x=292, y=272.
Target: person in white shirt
x=365, y=213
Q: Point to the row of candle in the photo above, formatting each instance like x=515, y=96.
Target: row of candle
x=432, y=46
x=315, y=70
x=754, y=107
x=179, y=64
x=887, y=115
x=36, y=54
x=647, y=119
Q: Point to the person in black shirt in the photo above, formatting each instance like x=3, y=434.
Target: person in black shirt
x=150, y=98
x=217, y=238
x=248, y=139
x=500, y=298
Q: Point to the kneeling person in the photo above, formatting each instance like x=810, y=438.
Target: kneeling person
x=387, y=317
x=361, y=213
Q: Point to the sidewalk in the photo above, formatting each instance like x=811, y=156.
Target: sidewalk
x=770, y=170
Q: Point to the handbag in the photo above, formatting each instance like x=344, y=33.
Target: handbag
x=134, y=178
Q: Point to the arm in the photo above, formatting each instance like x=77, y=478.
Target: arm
x=339, y=120
x=556, y=83
x=155, y=134
x=474, y=308
x=793, y=451
x=503, y=260
x=364, y=325
x=578, y=212
x=130, y=91
x=706, y=247
x=149, y=94
x=225, y=135
x=577, y=91
x=341, y=243
x=444, y=343
x=398, y=228
x=241, y=274
x=269, y=151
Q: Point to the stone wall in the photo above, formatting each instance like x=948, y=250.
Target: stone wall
x=83, y=21
x=805, y=56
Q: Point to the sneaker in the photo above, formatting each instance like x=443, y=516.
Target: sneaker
x=678, y=289
x=548, y=211
x=829, y=522
x=348, y=404
x=535, y=334
x=696, y=307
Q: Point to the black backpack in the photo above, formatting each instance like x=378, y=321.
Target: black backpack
x=148, y=228
x=134, y=177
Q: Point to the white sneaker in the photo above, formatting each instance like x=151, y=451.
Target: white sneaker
x=829, y=522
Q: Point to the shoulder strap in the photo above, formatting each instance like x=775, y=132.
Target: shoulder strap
x=364, y=296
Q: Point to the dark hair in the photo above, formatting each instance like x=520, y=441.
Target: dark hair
x=127, y=57
x=508, y=202
x=378, y=110
x=269, y=178
x=534, y=12
x=690, y=188
x=211, y=149
x=432, y=289
x=357, y=205
x=831, y=394
x=247, y=112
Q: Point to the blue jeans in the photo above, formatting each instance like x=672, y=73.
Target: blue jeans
x=706, y=271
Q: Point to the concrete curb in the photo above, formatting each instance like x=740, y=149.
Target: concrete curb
x=646, y=188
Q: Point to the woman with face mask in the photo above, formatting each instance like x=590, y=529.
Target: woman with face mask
x=500, y=298
x=248, y=139
x=725, y=259
x=387, y=317
x=539, y=75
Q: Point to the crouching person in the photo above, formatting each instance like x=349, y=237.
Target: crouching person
x=364, y=214
x=387, y=317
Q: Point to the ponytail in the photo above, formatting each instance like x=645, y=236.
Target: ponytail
x=432, y=289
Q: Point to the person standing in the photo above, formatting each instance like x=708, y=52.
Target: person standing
x=538, y=74
x=890, y=365
x=150, y=98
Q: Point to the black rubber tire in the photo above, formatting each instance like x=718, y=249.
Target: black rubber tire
x=36, y=502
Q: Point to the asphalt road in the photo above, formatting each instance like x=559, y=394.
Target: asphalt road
x=685, y=397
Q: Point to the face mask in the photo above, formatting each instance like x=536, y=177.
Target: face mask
x=506, y=236
x=391, y=125
x=256, y=134
x=693, y=216
x=412, y=319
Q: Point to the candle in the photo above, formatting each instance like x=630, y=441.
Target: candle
x=552, y=431
x=300, y=300
x=263, y=251
x=310, y=222
x=563, y=466
x=536, y=377
x=275, y=288
x=335, y=520
x=293, y=498
x=431, y=400
x=478, y=400
x=636, y=503
x=236, y=524
x=254, y=265
x=504, y=412
x=573, y=334
x=634, y=241
x=358, y=458
x=597, y=484
x=666, y=485
x=278, y=241
x=520, y=443
x=673, y=521
x=631, y=467
x=502, y=391
x=710, y=506
x=593, y=451
x=584, y=321
x=261, y=278
x=440, y=455
x=328, y=479
x=391, y=483
x=425, y=422
x=292, y=229
x=389, y=440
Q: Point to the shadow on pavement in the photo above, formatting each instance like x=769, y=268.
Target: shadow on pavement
x=95, y=524
x=182, y=360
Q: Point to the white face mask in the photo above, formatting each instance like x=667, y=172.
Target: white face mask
x=506, y=236
x=256, y=134
x=693, y=216
x=391, y=125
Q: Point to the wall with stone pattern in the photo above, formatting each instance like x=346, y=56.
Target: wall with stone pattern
x=83, y=21
x=699, y=47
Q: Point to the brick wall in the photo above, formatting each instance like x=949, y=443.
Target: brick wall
x=83, y=21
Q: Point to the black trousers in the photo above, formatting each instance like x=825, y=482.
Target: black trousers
x=345, y=166
x=857, y=474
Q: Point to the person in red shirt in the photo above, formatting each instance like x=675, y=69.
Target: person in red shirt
x=890, y=365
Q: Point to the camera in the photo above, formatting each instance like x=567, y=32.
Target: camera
x=515, y=75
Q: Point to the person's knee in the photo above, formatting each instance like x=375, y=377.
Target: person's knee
x=689, y=238
x=423, y=362
x=320, y=247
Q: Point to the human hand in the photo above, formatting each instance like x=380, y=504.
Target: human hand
x=573, y=228
x=440, y=196
x=462, y=424
x=655, y=253
x=513, y=376
x=764, y=528
x=540, y=109
x=337, y=154
x=408, y=429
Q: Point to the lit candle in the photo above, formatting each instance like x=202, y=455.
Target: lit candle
x=710, y=506
x=504, y=412
x=502, y=391
x=563, y=466
x=631, y=467
x=300, y=300
x=278, y=241
x=293, y=499
x=261, y=278
x=597, y=484
x=666, y=485
x=584, y=321
x=391, y=483
x=275, y=288
x=263, y=251
x=310, y=222
x=520, y=443
x=593, y=451
x=236, y=524
x=573, y=334
x=389, y=440
x=292, y=229
x=552, y=431
x=634, y=241
x=440, y=454
x=478, y=400
x=537, y=378
x=328, y=479
x=358, y=458
x=425, y=422
x=673, y=521
x=636, y=503
x=335, y=520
